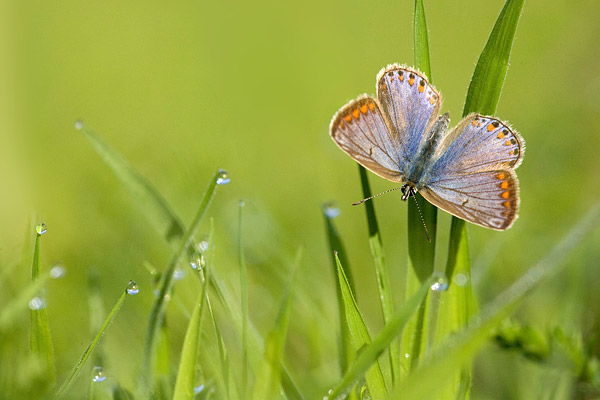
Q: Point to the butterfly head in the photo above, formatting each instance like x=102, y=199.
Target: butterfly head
x=408, y=190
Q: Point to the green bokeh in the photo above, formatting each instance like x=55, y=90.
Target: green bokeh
x=183, y=88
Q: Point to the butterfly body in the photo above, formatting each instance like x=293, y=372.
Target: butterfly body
x=467, y=171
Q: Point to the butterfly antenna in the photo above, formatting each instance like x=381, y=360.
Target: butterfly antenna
x=422, y=219
x=377, y=195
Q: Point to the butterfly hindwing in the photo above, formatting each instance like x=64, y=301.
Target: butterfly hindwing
x=489, y=199
x=411, y=104
x=360, y=130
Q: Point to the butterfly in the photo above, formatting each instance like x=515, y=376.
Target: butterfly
x=400, y=136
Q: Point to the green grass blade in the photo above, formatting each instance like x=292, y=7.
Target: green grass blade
x=40, y=339
x=148, y=199
x=244, y=292
x=186, y=373
x=421, y=253
x=457, y=303
x=13, y=310
x=255, y=341
x=381, y=271
x=224, y=375
x=158, y=309
x=132, y=288
x=267, y=381
x=336, y=247
x=360, y=335
x=369, y=354
x=460, y=350
x=490, y=71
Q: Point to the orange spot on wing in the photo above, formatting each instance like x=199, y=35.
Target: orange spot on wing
x=505, y=195
x=411, y=81
x=421, y=89
x=508, y=143
x=504, y=185
x=500, y=135
x=372, y=106
x=501, y=176
x=512, y=152
x=356, y=113
x=364, y=109
x=348, y=118
x=432, y=101
x=506, y=204
x=490, y=127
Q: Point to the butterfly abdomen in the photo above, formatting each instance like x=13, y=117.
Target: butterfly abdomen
x=427, y=148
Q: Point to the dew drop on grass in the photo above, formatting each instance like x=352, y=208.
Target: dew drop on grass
x=197, y=260
x=178, y=274
x=133, y=288
x=223, y=177
x=198, y=389
x=203, y=245
x=332, y=211
x=460, y=279
x=98, y=375
x=57, y=272
x=79, y=124
x=440, y=284
x=41, y=228
x=37, y=303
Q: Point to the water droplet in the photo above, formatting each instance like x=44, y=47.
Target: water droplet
x=406, y=355
x=223, y=177
x=198, y=389
x=440, y=284
x=133, y=288
x=241, y=203
x=57, y=272
x=41, y=228
x=79, y=124
x=203, y=245
x=197, y=260
x=332, y=211
x=178, y=274
x=98, y=375
x=460, y=279
x=37, y=303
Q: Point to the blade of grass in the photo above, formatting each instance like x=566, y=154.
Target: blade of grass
x=359, y=335
x=158, y=309
x=186, y=373
x=267, y=381
x=132, y=288
x=460, y=349
x=483, y=96
x=490, y=72
x=421, y=253
x=40, y=339
x=149, y=200
x=381, y=271
x=244, y=292
x=336, y=246
x=369, y=354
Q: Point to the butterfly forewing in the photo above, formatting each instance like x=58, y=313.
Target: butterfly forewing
x=489, y=199
x=479, y=143
x=410, y=103
x=360, y=130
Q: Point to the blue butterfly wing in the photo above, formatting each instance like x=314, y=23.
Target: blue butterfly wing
x=411, y=105
x=361, y=131
x=473, y=176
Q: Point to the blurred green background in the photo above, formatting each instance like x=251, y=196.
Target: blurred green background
x=183, y=88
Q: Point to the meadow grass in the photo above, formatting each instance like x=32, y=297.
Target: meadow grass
x=425, y=348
